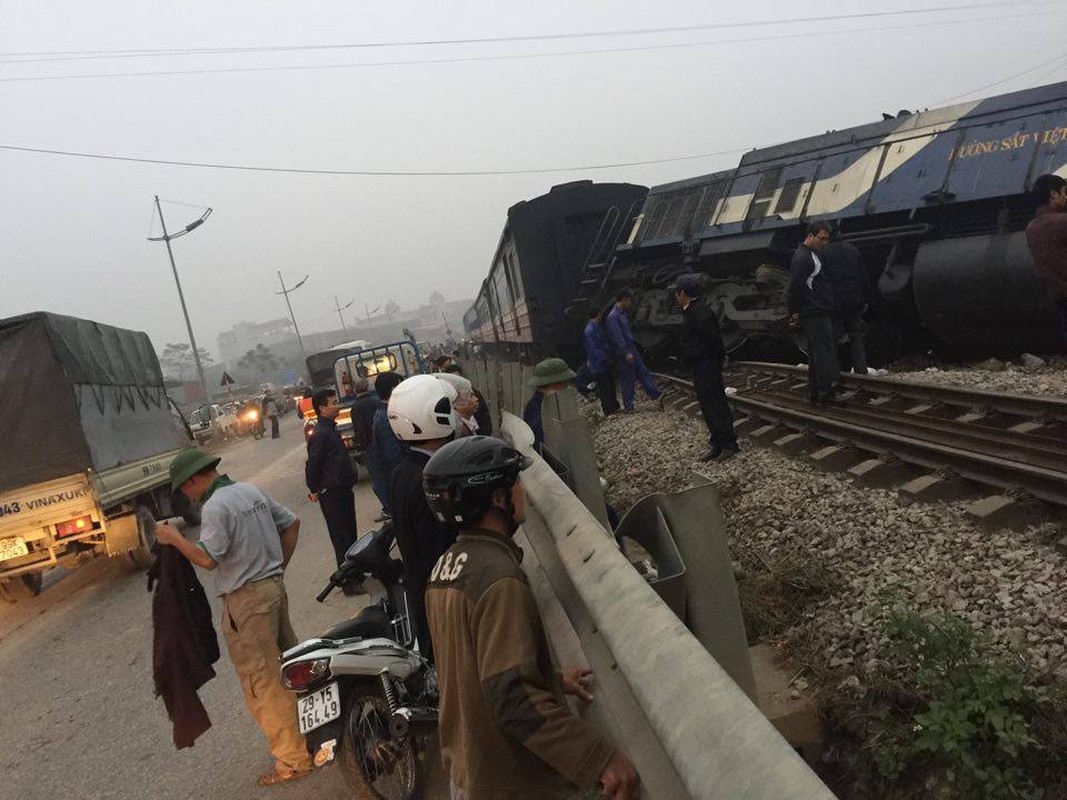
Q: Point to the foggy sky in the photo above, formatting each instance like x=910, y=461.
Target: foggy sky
x=72, y=231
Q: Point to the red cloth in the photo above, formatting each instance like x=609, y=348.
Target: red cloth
x=1047, y=237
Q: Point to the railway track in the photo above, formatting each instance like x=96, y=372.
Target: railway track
x=1015, y=444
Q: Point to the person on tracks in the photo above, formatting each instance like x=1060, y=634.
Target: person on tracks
x=1046, y=236
x=629, y=366
x=811, y=298
x=385, y=450
x=246, y=540
x=330, y=477
x=598, y=361
x=700, y=346
x=853, y=294
x=504, y=726
x=421, y=414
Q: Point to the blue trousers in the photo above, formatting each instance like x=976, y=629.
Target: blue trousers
x=379, y=478
x=629, y=375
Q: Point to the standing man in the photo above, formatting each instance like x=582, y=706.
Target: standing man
x=505, y=728
x=598, y=362
x=853, y=293
x=272, y=410
x=330, y=476
x=812, y=298
x=1046, y=236
x=629, y=366
x=421, y=414
x=247, y=539
x=701, y=347
x=364, y=406
x=385, y=449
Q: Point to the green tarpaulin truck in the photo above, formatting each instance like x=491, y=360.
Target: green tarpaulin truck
x=87, y=434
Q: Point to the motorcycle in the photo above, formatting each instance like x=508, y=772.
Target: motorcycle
x=364, y=696
x=254, y=423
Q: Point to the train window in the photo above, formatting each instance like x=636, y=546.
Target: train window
x=787, y=200
x=761, y=200
x=670, y=218
x=511, y=258
x=706, y=207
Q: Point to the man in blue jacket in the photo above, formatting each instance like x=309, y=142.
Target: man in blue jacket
x=628, y=363
x=811, y=297
x=385, y=450
x=598, y=362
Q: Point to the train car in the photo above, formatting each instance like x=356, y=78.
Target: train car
x=549, y=245
x=937, y=202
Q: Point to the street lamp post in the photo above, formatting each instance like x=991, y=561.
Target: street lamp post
x=165, y=238
x=340, y=316
x=292, y=316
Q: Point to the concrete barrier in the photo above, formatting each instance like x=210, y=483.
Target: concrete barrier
x=666, y=702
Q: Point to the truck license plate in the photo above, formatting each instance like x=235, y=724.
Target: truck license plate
x=318, y=708
x=12, y=548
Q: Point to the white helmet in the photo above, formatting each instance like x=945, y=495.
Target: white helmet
x=420, y=408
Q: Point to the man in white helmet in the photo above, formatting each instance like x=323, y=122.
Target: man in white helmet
x=421, y=413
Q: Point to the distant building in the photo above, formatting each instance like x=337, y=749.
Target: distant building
x=244, y=336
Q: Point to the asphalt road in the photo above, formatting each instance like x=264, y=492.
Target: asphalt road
x=79, y=719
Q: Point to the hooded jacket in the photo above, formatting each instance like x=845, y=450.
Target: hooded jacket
x=810, y=291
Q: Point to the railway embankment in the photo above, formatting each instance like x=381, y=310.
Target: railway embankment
x=842, y=579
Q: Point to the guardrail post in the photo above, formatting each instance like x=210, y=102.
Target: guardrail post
x=567, y=436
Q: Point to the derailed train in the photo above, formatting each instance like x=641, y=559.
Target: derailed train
x=936, y=201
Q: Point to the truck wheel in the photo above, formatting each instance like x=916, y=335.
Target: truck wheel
x=142, y=556
x=24, y=586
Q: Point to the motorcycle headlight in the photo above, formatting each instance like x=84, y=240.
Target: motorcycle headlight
x=302, y=674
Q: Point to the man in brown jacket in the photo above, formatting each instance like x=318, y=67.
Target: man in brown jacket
x=1047, y=237
x=505, y=729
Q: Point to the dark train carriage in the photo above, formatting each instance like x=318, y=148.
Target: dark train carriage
x=936, y=200
x=547, y=245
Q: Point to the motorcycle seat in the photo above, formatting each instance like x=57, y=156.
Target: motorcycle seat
x=370, y=623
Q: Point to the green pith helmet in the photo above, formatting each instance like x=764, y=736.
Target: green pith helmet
x=551, y=370
x=189, y=462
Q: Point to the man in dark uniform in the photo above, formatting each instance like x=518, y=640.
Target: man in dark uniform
x=853, y=293
x=420, y=414
x=811, y=297
x=330, y=476
x=701, y=347
x=1046, y=235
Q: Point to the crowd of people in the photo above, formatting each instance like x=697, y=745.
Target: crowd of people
x=455, y=497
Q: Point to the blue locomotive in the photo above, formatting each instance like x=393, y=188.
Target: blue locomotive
x=936, y=201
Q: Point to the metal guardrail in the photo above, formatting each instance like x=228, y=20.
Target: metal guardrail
x=666, y=702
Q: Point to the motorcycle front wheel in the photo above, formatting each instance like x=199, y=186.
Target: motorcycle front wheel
x=377, y=766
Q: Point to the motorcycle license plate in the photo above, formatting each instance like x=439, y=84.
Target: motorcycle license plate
x=316, y=709
x=12, y=548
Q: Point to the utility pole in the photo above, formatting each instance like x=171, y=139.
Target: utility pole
x=165, y=238
x=369, y=312
x=340, y=316
x=292, y=316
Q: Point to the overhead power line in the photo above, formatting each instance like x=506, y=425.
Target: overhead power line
x=364, y=173
x=520, y=56
x=163, y=52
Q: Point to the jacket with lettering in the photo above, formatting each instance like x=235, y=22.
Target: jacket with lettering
x=505, y=729
x=1046, y=236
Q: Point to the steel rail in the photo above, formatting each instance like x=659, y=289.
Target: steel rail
x=1041, y=482
x=1012, y=404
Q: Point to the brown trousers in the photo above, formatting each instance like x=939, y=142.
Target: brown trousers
x=255, y=622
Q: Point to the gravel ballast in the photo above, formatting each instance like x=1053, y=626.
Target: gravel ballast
x=1027, y=374
x=1010, y=584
